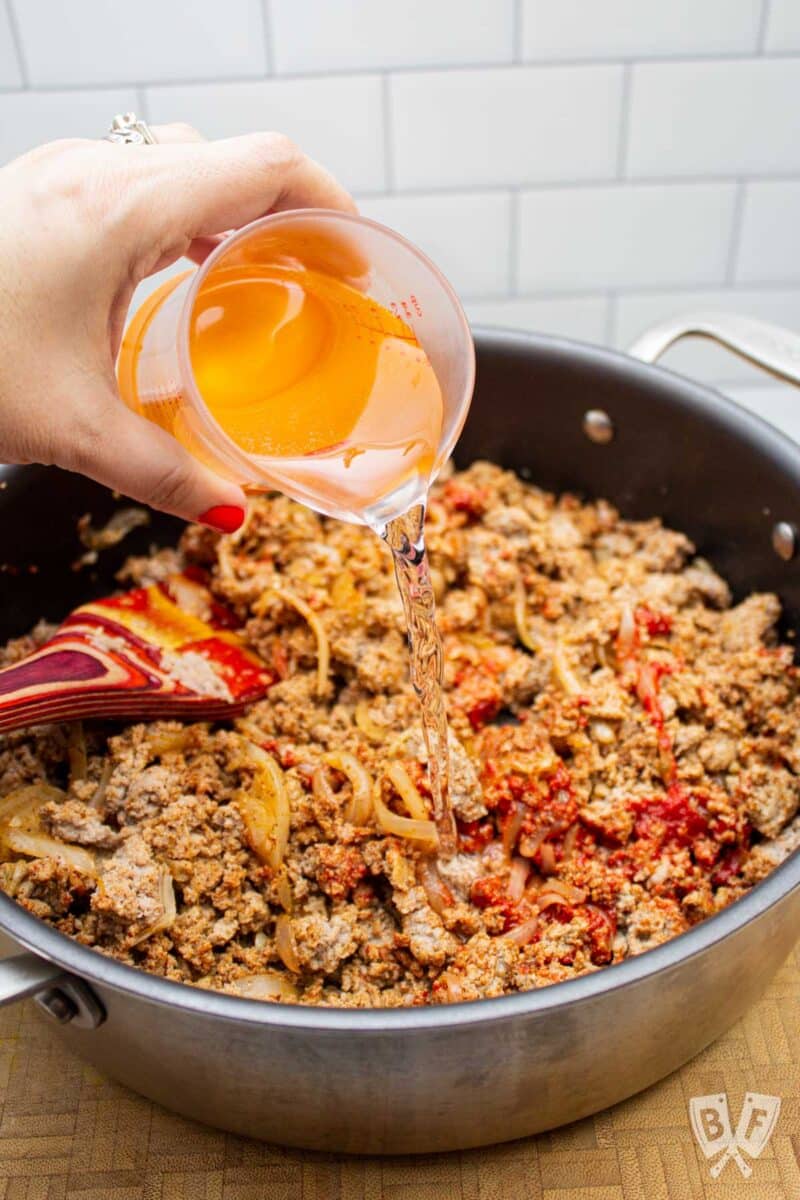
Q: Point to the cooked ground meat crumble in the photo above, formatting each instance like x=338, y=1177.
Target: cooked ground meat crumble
x=625, y=761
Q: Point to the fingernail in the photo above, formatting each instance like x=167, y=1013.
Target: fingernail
x=225, y=518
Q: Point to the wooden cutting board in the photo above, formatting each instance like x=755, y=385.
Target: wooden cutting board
x=66, y=1133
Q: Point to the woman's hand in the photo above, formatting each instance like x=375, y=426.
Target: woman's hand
x=81, y=224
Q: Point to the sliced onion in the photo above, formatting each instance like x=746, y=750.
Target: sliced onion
x=547, y=859
x=626, y=637
x=171, y=741
x=76, y=752
x=307, y=613
x=563, y=673
x=522, y=934
x=23, y=804
x=517, y=878
x=120, y=525
x=285, y=944
x=36, y=845
x=99, y=794
x=512, y=827
x=372, y=731
x=521, y=619
x=437, y=892
x=568, y=845
x=360, y=805
x=271, y=985
x=166, y=894
x=405, y=827
x=531, y=842
x=556, y=891
x=265, y=809
x=399, y=777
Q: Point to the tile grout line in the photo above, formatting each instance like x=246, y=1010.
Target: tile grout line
x=16, y=38
x=269, y=36
x=516, y=32
x=388, y=133
x=766, y=7
x=611, y=319
x=434, y=69
x=606, y=182
x=737, y=219
x=624, y=121
x=513, y=242
x=635, y=291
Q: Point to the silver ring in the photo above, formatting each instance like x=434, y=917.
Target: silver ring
x=128, y=130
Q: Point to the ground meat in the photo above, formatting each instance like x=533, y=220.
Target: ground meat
x=322, y=943
x=428, y=940
x=74, y=821
x=748, y=623
x=652, y=922
x=768, y=855
x=624, y=762
x=129, y=888
x=770, y=797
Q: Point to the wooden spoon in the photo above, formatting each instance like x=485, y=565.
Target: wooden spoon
x=154, y=652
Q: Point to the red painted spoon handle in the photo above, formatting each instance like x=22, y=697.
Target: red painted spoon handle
x=133, y=655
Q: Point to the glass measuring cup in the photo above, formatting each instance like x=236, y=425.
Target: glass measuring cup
x=377, y=477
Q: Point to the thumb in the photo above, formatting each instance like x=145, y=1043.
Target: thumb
x=142, y=460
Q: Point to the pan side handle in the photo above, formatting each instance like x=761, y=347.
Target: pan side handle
x=770, y=347
x=64, y=997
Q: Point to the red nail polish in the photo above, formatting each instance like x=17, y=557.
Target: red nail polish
x=225, y=518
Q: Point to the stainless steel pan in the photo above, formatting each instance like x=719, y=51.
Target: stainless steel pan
x=568, y=416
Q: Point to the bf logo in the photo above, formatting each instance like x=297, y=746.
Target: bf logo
x=711, y=1125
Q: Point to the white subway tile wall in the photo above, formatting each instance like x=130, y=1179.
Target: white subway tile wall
x=581, y=168
x=10, y=72
x=769, y=231
x=352, y=35
x=102, y=42
x=783, y=26
x=505, y=125
x=624, y=236
x=337, y=119
x=637, y=29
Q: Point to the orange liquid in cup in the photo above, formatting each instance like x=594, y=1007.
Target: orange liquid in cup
x=298, y=366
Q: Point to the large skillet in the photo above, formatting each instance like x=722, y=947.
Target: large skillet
x=467, y=1074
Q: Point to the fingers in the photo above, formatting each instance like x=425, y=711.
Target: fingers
x=143, y=461
x=170, y=135
x=201, y=189
x=176, y=132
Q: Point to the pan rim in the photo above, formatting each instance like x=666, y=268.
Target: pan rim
x=94, y=967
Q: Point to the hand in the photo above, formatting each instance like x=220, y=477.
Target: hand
x=81, y=224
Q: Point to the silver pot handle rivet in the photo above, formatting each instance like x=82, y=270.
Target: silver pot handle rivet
x=64, y=997
x=598, y=426
x=784, y=540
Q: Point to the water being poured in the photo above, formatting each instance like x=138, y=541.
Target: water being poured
x=406, y=539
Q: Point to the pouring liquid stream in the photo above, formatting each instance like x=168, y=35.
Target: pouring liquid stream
x=332, y=391
x=405, y=538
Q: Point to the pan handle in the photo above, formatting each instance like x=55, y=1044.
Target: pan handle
x=774, y=349
x=64, y=997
